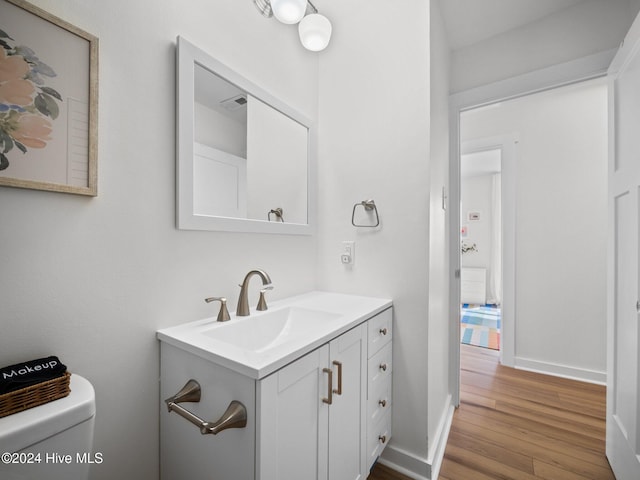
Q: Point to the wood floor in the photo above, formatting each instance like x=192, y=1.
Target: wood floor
x=517, y=425
x=380, y=472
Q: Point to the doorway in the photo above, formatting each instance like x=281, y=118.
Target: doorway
x=481, y=247
x=555, y=234
x=490, y=163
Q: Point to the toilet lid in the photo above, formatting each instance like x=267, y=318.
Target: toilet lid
x=23, y=429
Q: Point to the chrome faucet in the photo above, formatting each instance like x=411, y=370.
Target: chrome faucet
x=243, y=300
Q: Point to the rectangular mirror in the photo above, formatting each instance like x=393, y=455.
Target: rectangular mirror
x=244, y=158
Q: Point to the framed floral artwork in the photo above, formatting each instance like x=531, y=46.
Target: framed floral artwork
x=48, y=102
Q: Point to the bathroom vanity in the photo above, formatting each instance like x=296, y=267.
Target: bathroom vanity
x=313, y=374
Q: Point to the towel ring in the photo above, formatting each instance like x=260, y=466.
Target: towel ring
x=369, y=206
x=278, y=212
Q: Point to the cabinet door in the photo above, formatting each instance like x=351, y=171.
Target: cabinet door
x=292, y=424
x=623, y=324
x=347, y=415
x=184, y=452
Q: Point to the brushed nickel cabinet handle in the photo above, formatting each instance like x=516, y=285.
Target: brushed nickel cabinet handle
x=329, y=399
x=383, y=331
x=383, y=367
x=338, y=391
x=382, y=403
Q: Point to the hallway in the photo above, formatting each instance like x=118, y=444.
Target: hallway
x=520, y=425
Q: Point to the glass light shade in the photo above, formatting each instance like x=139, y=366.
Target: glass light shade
x=315, y=32
x=289, y=11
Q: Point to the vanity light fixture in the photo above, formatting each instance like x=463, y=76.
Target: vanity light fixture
x=314, y=29
x=289, y=11
x=264, y=7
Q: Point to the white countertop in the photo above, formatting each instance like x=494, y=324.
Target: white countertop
x=330, y=314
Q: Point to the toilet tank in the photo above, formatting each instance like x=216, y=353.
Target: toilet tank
x=52, y=441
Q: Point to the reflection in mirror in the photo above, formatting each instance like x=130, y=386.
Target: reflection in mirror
x=243, y=156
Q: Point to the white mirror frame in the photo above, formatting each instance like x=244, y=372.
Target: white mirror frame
x=187, y=56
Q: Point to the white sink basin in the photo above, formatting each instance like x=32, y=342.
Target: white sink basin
x=262, y=331
x=261, y=343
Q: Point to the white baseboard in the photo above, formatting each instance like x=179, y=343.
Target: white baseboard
x=564, y=371
x=436, y=453
x=406, y=463
x=414, y=466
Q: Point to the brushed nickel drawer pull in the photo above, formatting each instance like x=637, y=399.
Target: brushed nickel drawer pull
x=329, y=399
x=338, y=391
x=382, y=403
x=235, y=416
x=383, y=331
x=383, y=367
x=382, y=438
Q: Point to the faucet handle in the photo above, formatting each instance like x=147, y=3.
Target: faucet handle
x=223, y=314
x=262, y=302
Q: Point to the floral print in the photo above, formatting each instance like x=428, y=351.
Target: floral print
x=32, y=130
x=26, y=104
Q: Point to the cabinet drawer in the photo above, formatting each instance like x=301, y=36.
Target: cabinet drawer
x=379, y=369
x=379, y=403
x=379, y=331
x=378, y=437
x=473, y=287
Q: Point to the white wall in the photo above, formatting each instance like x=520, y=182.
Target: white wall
x=92, y=279
x=276, y=178
x=475, y=196
x=374, y=143
x=561, y=219
x=220, y=131
x=439, y=389
x=586, y=28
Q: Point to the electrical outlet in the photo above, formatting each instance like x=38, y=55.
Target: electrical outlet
x=348, y=255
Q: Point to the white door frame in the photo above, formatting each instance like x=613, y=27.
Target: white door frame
x=585, y=68
x=507, y=144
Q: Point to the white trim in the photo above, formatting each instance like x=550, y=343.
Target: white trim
x=575, y=71
x=563, y=371
x=417, y=467
x=507, y=144
x=405, y=463
x=436, y=453
x=578, y=70
x=627, y=50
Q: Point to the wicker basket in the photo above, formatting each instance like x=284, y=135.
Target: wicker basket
x=29, y=397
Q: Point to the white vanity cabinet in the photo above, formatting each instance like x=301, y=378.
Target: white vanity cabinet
x=311, y=414
x=325, y=415
x=185, y=453
x=379, y=388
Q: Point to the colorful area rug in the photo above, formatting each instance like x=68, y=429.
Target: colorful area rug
x=480, y=326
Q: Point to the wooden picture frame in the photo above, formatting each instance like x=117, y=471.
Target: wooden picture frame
x=48, y=102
